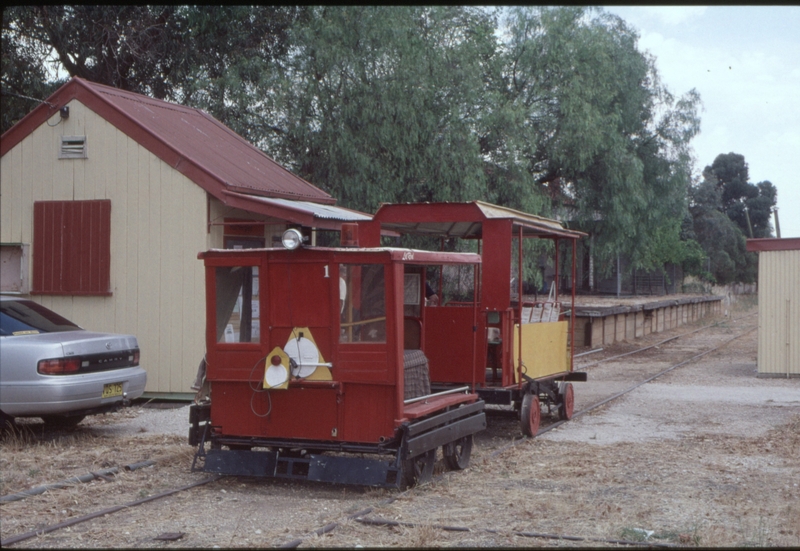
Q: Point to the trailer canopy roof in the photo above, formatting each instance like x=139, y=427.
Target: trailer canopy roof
x=465, y=220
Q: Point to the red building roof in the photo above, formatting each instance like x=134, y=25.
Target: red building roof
x=189, y=140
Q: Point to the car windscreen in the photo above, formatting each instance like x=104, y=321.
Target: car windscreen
x=25, y=317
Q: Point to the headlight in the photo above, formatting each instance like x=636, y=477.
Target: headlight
x=292, y=239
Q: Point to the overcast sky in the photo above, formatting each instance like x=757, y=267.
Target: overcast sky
x=745, y=63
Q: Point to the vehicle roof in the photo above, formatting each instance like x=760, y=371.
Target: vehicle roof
x=395, y=254
x=465, y=220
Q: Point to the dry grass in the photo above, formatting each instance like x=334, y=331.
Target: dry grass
x=625, y=491
x=32, y=458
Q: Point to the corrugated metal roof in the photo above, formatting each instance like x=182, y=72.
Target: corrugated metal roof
x=465, y=220
x=327, y=212
x=190, y=140
x=279, y=207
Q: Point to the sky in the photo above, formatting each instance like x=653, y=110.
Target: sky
x=745, y=63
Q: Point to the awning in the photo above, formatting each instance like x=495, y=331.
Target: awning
x=465, y=220
x=305, y=213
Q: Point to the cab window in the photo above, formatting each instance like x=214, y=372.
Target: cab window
x=362, y=303
x=238, y=312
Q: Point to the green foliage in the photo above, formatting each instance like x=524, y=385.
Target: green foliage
x=602, y=138
x=24, y=77
x=128, y=47
x=209, y=57
x=387, y=104
x=725, y=207
x=231, y=62
x=720, y=238
x=748, y=205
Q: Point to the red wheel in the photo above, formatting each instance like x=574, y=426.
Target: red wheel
x=567, y=404
x=530, y=415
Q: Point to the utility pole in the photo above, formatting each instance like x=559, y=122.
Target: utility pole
x=777, y=223
x=749, y=226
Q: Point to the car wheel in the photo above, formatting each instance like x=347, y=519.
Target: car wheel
x=61, y=421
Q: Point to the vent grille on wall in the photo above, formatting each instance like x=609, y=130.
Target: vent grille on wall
x=72, y=147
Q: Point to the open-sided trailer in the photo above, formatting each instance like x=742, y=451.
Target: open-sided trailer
x=309, y=373
x=524, y=357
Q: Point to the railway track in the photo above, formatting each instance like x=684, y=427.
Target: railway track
x=489, y=446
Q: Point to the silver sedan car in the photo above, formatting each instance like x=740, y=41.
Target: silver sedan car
x=53, y=369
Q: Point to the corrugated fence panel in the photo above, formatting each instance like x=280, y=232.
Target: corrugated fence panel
x=779, y=312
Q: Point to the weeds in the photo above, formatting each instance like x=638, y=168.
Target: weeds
x=744, y=302
x=635, y=534
x=687, y=537
x=758, y=537
x=423, y=535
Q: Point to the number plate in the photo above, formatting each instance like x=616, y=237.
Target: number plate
x=112, y=389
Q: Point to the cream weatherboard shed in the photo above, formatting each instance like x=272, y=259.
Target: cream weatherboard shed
x=778, y=306
x=106, y=198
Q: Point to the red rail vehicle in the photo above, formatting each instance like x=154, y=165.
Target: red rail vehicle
x=525, y=350
x=312, y=373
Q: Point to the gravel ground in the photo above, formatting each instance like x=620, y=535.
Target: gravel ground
x=141, y=420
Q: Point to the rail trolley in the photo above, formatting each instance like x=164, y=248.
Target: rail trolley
x=524, y=357
x=310, y=373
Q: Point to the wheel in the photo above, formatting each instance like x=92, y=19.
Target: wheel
x=419, y=470
x=61, y=421
x=456, y=454
x=567, y=403
x=530, y=415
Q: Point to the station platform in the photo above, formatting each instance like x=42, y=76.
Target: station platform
x=602, y=321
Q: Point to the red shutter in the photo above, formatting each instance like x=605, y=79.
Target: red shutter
x=72, y=247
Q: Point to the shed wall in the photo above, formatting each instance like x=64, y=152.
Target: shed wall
x=158, y=225
x=779, y=312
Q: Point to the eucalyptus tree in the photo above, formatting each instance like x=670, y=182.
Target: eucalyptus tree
x=748, y=205
x=599, y=133
x=381, y=104
x=23, y=75
x=213, y=57
x=725, y=209
x=127, y=47
x=722, y=240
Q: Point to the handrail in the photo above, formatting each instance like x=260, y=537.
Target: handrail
x=420, y=398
